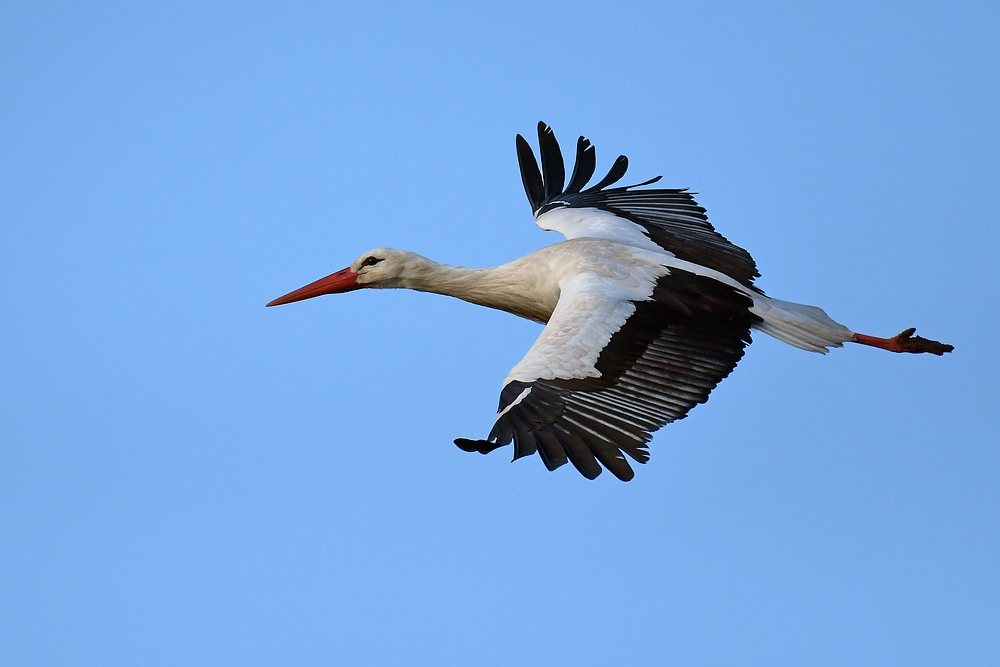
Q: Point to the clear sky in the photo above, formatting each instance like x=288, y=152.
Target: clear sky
x=188, y=478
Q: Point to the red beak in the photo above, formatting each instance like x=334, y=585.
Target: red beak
x=344, y=280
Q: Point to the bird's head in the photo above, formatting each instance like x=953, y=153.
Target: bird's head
x=381, y=267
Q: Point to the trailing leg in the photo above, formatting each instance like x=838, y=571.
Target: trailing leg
x=905, y=342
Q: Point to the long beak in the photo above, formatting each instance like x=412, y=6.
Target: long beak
x=344, y=280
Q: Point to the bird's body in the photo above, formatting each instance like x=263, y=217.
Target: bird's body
x=646, y=309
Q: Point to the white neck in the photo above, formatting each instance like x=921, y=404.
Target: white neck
x=513, y=287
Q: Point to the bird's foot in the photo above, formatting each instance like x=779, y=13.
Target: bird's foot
x=905, y=342
x=481, y=446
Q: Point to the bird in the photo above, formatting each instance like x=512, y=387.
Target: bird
x=646, y=309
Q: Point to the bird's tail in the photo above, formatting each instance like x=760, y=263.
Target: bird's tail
x=805, y=327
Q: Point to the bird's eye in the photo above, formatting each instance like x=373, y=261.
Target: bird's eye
x=371, y=261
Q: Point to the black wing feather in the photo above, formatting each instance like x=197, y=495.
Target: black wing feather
x=530, y=176
x=583, y=169
x=553, y=169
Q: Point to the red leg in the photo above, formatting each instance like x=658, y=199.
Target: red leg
x=905, y=342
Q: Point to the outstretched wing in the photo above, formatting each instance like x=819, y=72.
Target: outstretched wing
x=605, y=373
x=670, y=219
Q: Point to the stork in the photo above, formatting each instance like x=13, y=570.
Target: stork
x=646, y=309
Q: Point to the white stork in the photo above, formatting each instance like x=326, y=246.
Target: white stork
x=646, y=309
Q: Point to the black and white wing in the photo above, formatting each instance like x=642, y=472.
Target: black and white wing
x=670, y=219
x=606, y=373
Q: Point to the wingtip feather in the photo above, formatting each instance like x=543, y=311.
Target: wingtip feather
x=584, y=167
x=553, y=167
x=531, y=177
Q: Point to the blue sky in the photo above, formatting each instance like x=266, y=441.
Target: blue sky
x=187, y=477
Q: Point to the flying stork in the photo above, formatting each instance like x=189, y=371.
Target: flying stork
x=646, y=309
